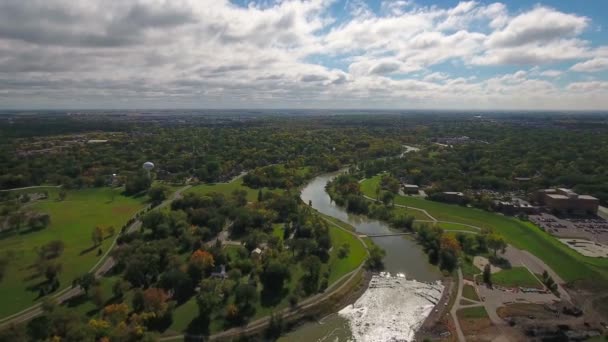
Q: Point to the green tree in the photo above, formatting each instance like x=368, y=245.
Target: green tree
x=85, y=281
x=487, y=275
x=496, y=243
x=97, y=236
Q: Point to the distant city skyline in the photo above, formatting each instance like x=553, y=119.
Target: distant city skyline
x=346, y=54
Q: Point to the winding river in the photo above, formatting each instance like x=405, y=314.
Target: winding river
x=402, y=255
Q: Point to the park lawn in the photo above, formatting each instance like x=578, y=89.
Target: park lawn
x=515, y=277
x=418, y=215
x=72, y=221
x=356, y=256
x=472, y=313
x=228, y=188
x=468, y=291
x=569, y=264
x=469, y=271
x=456, y=227
x=278, y=230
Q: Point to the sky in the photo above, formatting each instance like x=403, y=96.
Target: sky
x=347, y=54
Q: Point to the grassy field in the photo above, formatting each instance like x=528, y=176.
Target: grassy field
x=566, y=262
x=515, y=277
x=72, y=222
x=469, y=271
x=228, y=188
x=472, y=313
x=468, y=291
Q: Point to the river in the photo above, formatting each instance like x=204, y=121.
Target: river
x=403, y=255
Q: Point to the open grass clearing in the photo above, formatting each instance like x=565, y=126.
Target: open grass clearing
x=515, y=277
x=468, y=291
x=72, y=222
x=228, y=188
x=472, y=313
x=569, y=264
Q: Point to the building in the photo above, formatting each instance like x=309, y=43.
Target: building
x=452, y=197
x=566, y=201
x=411, y=189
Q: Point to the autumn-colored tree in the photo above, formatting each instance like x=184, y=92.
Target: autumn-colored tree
x=155, y=300
x=202, y=260
x=232, y=312
x=116, y=313
x=450, y=243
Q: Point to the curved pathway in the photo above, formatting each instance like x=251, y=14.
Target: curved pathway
x=33, y=187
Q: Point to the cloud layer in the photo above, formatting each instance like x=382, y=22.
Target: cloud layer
x=296, y=54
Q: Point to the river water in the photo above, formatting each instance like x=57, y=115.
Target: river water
x=403, y=255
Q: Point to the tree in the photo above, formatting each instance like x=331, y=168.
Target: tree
x=62, y=195
x=374, y=262
x=343, y=251
x=200, y=261
x=119, y=288
x=97, y=296
x=52, y=270
x=97, y=236
x=245, y=294
x=388, y=197
x=273, y=277
x=155, y=300
x=178, y=282
x=487, y=275
x=16, y=220
x=260, y=195
x=312, y=269
x=85, y=282
x=496, y=243
x=158, y=193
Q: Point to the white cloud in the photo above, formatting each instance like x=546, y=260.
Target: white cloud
x=592, y=65
x=213, y=53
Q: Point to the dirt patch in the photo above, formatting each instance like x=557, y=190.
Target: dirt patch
x=123, y=209
x=478, y=329
x=528, y=310
x=481, y=262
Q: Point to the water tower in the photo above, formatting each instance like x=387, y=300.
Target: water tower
x=148, y=166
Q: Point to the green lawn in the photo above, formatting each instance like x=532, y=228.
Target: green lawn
x=515, y=277
x=468, y=291
x=469, y=271
x=278, y=230
x=72, y=221
x=356, y=256
x=228, y=188
x=566, y=262
x=472, y=313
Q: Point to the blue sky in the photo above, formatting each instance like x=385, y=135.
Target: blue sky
x=380, y=54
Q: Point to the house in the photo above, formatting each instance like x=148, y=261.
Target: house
x=256, y=254
x=411, y=189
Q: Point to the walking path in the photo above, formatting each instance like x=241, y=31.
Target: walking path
x=104, y=264
x=456, y=306
x=33, y=187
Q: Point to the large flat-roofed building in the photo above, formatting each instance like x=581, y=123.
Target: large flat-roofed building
x=566, y=201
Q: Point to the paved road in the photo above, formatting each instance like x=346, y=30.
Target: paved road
x=33, y=187
x=456, y=306
x=105, y=263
